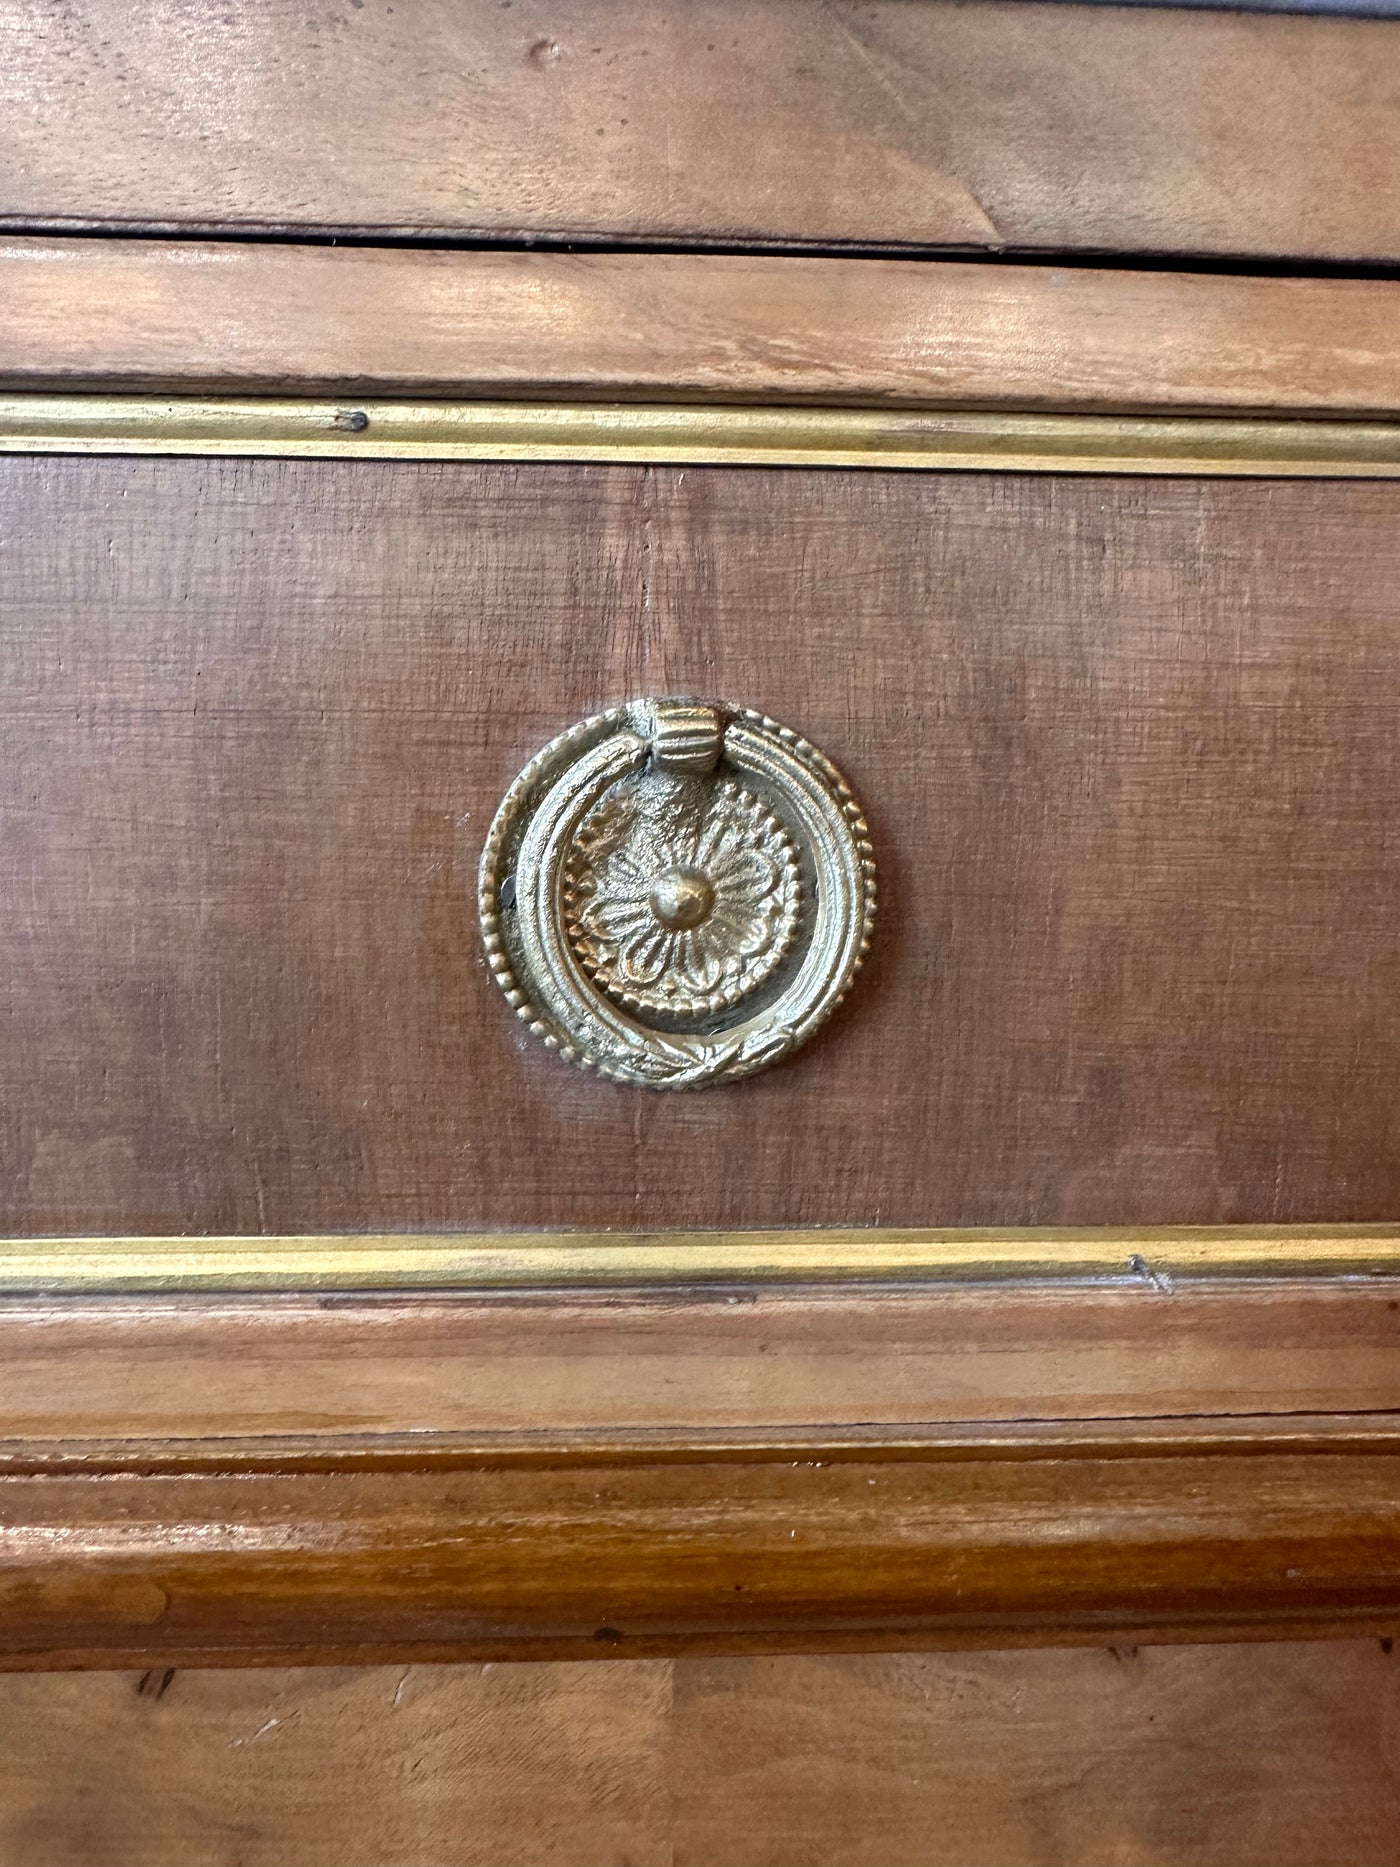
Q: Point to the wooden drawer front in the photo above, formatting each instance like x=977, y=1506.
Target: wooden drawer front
x=870, y=122
x=1127, y=749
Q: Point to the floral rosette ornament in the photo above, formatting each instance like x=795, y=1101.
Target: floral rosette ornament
x=681, y=898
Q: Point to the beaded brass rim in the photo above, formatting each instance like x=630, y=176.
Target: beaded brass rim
x=675, y=893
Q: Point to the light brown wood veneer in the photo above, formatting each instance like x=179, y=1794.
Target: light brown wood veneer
x=977, y=127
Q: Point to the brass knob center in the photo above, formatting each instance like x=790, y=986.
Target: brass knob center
x=681, y=898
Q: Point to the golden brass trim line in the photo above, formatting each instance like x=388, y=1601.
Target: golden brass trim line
x=1155, y=1258
x=813, y=437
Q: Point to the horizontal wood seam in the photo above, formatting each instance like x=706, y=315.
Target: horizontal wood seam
x=1126, y=1436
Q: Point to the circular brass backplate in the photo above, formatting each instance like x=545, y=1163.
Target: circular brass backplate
x=675, y=893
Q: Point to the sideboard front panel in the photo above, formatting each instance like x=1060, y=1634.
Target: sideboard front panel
x=1127, y=749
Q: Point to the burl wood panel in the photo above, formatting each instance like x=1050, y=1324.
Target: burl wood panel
x=986, y=126
x=1127, y=749
x=234, y=317
x=1271, y=1756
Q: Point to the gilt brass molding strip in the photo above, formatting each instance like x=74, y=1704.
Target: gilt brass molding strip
x=686, y=435
x=1153, y=1258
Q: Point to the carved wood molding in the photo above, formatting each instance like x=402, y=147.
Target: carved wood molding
x=205, y=1479
x=375, y=1550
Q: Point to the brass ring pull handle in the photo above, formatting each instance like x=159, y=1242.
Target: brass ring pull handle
x=675, y=894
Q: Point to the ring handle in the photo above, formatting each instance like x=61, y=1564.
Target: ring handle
x=675, y=893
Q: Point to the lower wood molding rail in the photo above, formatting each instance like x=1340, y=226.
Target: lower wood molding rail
x=201, y=1477
x=387, y=1548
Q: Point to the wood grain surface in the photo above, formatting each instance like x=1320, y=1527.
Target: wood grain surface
x=247, y=1481
x=721, y=1364
x=1125, y=747
x=1263, y=1756
x=238, y=318
x=251, y=1481
x=248, y=1553
x=985, y=126
x=1274, y=1755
